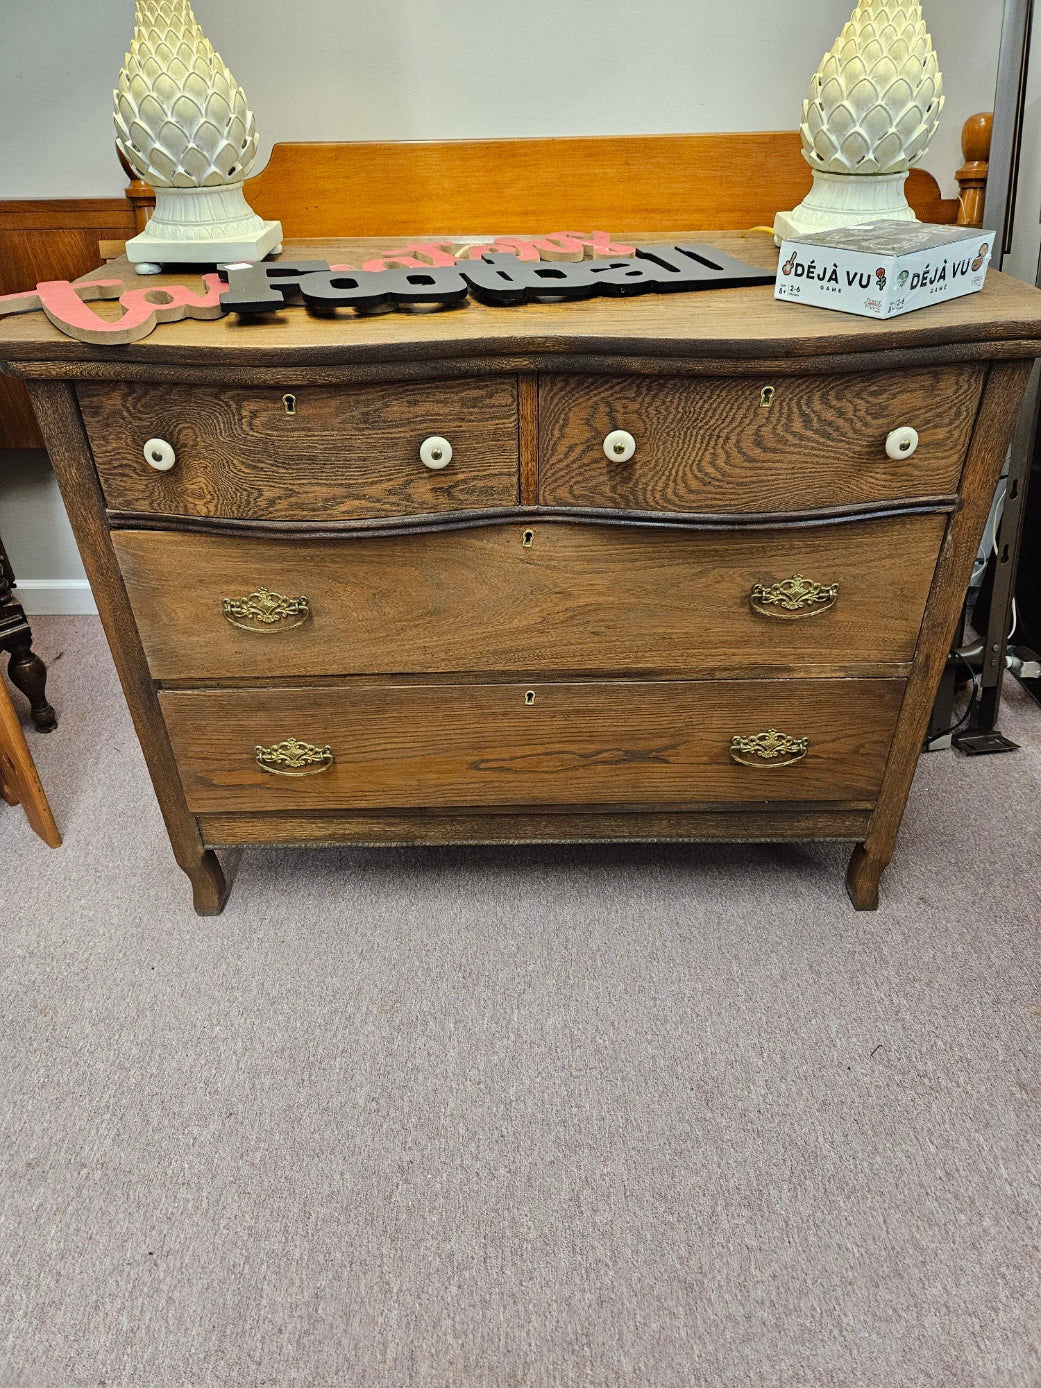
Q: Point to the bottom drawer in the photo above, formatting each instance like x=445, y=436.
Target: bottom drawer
x=597, y=743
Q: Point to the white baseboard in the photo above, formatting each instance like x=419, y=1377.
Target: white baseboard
x=42, y=597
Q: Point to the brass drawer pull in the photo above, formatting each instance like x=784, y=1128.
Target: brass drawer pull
x=264, y=611
x=768, y=750
x=293, y=758
x=793, y=597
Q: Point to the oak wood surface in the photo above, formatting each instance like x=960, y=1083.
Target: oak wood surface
x=713, y=445
x=578, y=599
x=528, y=437
x=628, y=748
x=651, y=742
x=19, y=780
x=990, y=441
x=55, y=406
x=445, y=827
x=720, y=325
x=345, y=453
x=738, y=179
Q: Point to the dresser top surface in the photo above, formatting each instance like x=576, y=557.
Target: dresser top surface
x=745, y=323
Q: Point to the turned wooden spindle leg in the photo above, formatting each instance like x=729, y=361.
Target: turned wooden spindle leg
x=29, y=674
x=972, y=177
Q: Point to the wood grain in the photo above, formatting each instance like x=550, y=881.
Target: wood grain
x=345, y=453
x=718, y=326
x=48, y=239
x=529, y=185
x=528, y=437
x=712, y=445
x=577, y=744
x=443, y=827
x=19, y=780
x=993, y=433
x=349, y=189
x=55, y=406
x=545, y=184
x=581, y=598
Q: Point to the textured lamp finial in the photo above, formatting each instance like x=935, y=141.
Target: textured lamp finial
x=183, y=125
x=872, y=108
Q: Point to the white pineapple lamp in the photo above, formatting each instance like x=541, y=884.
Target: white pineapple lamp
x=872, y=108
x=183, y=125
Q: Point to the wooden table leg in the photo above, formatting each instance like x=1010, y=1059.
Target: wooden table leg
x=19, y=781
x=28, y=673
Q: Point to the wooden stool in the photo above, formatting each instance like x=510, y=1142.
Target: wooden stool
x=19, y=781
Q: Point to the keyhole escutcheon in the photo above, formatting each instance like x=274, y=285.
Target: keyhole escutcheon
x=289, y=401
x=766, y=397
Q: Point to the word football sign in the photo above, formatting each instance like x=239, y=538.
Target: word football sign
x=532, y=271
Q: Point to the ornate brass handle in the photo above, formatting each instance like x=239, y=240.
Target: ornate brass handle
x=793, y=598
x=264, y=611
x=768, y=750
x=293, y=758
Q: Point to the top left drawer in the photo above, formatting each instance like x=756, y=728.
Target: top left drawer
x=312, y=453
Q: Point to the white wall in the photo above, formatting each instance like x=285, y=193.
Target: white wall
x=325, y=69
x=414, y=69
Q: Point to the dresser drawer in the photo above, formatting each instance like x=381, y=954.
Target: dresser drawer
x=548, y=596
x=711, y=445
x=344, y=452
x=617, y=743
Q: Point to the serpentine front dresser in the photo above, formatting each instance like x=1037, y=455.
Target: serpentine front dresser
x=679, y=567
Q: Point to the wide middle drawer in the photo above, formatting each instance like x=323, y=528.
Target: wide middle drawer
x=522, y=597
x=307, y=453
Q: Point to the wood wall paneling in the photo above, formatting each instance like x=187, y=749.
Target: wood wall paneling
x=49, y=239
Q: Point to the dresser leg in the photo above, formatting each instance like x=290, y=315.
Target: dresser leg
x=209, y=887
x=862, y=878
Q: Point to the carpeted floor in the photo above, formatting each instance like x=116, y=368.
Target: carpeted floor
x=633, y=1116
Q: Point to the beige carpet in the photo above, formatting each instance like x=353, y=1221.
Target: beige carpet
x=629, y=1116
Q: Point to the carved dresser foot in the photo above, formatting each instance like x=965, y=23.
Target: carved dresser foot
x=862, y=878
x=209, y=888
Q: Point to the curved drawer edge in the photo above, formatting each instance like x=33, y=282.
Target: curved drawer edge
x=503, y=515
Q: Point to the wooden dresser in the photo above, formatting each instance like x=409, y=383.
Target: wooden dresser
x=665, y=582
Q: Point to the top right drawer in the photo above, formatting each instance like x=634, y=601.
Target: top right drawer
x=749, y=443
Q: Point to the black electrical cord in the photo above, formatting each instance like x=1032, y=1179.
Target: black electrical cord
x=973, y=701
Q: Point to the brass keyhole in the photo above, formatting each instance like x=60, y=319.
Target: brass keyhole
x=529, y=697
x=766, y=399
x=290, y=403
x=528, y=539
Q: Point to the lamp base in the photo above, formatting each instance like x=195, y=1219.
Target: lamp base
x=202, y=226
x=845, y=200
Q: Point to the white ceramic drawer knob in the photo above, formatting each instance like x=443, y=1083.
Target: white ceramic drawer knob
x=901, y=443
x=435, y=452
x=160, y=455
x=619, y=445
